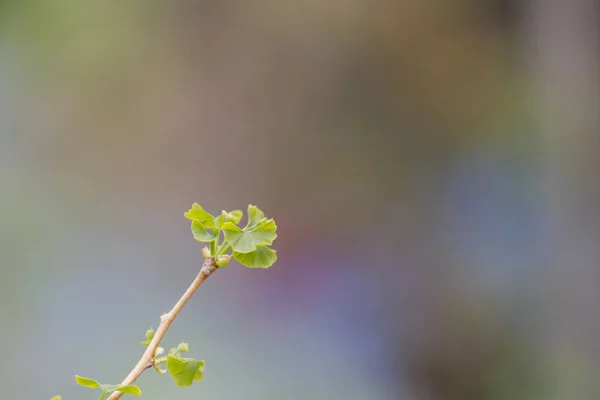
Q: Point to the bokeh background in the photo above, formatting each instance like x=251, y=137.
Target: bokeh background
x=432, y=165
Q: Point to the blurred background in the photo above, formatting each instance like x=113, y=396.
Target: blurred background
x=432, y=166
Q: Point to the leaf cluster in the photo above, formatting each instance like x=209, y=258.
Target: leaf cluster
x=183, y=370
x=249, y=245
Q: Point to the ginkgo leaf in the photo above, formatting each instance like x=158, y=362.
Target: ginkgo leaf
x=255, y=215
x=149, y=336
x=182, y=347
x=262, y=257
x=245, y=240
x=185, y=370
x=201, y=234
x=197, y=213
x=232, y=216
x=86, y=382
x=128, y=389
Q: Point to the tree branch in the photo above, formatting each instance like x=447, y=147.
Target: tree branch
x=208, y=267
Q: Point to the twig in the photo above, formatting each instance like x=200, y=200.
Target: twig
x=147, y=360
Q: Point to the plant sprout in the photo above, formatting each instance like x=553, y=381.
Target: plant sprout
x=249, y=245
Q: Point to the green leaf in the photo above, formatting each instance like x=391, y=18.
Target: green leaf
x=234, y=216
x=262, y=257
x=183, y=347
x=254, y=215
x=197, y=213
x=245, y=241
x=185, y=370
x=149, y=336
x=201, y=234
x=129, y=389
x=56, y=398
x=125, y=389
x=86, y=382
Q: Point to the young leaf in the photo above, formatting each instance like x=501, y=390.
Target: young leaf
x=185, y=370
x=232, y=216
x=183, y=347
x=245, y=241
x=125, y=389
x=197, y=213
x=254, y=215
x=262, y=257
x=201, y=234
x=223, y=260
x=87, y=382
x=149, y=336
x=56, y=398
